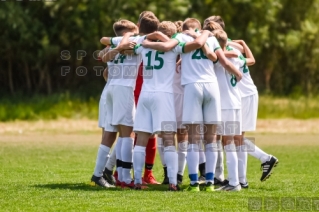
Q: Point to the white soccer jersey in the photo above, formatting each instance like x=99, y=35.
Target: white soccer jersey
x=196, y=67
x=228, y=86
x=159, y=69
x=246, y=85
x=125, y=66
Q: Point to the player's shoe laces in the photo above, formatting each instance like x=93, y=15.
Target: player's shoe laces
x=202, y=180
x=128, y=185
x=108, y=176
x=244, y=185
x=209, y=187
x=193, y=188
x=179, y=179
x=267, y=168
x=166, y=180
x=229, y=188
x=173, y=187
x=100, y=181
x=149, y=178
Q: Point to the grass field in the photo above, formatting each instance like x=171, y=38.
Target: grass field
x=50, y=171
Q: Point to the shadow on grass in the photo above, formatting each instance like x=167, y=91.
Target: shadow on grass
x=88, y=187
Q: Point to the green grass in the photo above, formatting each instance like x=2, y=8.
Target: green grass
x=51, y=173
x=75, y=106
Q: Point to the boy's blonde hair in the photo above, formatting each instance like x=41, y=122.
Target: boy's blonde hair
x=191, y=23
x=179, y=26
x=123, y=25
x=216, y=18
x=221, y=36
x=168, y=28
x=211, y=26
x=144, y=14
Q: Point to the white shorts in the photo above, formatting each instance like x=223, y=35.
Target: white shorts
x=102, y=112
x=249, y=106
x=201, y=103
x=155, y=113
x=120, y=105
x=178, y=103
x=231, y=122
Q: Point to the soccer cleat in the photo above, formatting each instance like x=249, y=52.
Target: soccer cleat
x=209, y=187
x=179, y=179
x=244, y=185
x=217, y=182
x=128, y=185
x=149, y=178
x=202, y=180
x=166, y=180
x=100, y=181
x=225, y=182
x=229, y=188
x=267, y=168
x=108, y=176
x=172, y=187
x=138, y=187
x=193, y=188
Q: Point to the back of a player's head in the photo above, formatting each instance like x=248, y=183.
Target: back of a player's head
x=148, y=24
x=179, y=26
x=211, y=26
x=122, y=26
x=168, y=28
x=145, y=14
x=216, y=18
x=191, y=23
x=221, y=36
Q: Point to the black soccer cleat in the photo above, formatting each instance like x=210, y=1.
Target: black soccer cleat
x=179, y=179
x=244, y=185
x=218, y=183
x=100, y=181
x=108, y=176
x=166, y=180
x=267, y=168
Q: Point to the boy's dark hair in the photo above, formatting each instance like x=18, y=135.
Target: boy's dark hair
x=191, y=23
x=217, y=19
x=122, y=26
x=148, y=24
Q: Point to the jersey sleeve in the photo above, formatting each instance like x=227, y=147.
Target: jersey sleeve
x=138, y=49
x=179, y=48
x=117, y=40
x=139, y=39
x=213, y=43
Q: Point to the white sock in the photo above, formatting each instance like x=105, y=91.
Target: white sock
x=127, y=158
x=242, y=164
x=111, y=162
x=139, y=161
x=232, y=164
x=170, y=157
x=118, y=148
x=160, y=150
x=211, y=160
x=193, y=162
x=202, y=158
x=219, y=172
x=256, y=152
x=101, y=160
x=182, y=153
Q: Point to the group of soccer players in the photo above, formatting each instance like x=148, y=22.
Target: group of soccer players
x=181, y=82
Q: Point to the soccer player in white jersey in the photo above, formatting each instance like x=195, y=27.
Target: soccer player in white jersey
x=155, y=109
x=122, y=27
x=249, y=94
x=201, y=98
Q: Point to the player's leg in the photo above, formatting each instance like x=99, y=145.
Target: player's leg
x=249, y=114
x=160, y=150
x=149, y=161
x=242, y=161
x=182, y=138
x=108, y=171
x=202, y=161
x=219, y=172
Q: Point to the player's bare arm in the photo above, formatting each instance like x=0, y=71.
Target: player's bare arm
x=160, y=46
x=105, y=41
x=209, y=53
x=158, y=36
x=250, y=59
x=124, y=44
x=228, y=65
x=236, y=45
x=231, y=54
x=198, y=42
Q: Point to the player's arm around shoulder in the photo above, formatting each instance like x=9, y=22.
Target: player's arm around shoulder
x=250, y=59
x=227, y=64
x=160, y=46
x=199, y=40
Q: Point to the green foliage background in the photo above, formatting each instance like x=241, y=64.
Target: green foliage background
x=283, y=35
